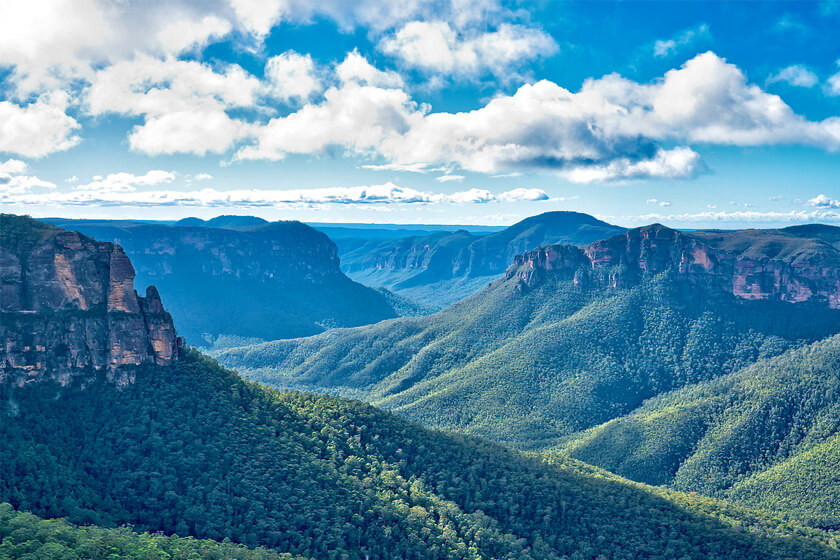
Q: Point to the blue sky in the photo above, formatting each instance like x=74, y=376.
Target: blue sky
x=694, y=114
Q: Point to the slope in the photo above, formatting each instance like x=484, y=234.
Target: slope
x=194, y=450
x=569, y=338
x=767, y=436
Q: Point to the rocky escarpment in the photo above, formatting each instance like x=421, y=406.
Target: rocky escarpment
x=750, y=265
x=69, y=308
x=260, y=280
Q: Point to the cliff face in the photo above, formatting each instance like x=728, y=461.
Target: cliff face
x=260, y=280
x=751, y=265
x=69, y=308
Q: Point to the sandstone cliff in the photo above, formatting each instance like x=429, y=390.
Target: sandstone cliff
x=750, y=265
x=69, y=308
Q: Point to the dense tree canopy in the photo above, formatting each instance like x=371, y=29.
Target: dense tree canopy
x=194, y=450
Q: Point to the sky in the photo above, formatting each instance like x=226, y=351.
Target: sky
x=693, y=114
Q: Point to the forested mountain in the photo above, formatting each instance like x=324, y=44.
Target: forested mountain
x=573, y=337
x=767, y=435
x=260, y=280
x=444, y=267
x=194, y=450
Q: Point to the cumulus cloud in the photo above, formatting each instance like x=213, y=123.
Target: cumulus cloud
x=434, y=46
x=39, y=128
x=679, y=163
x=292, y=76
x=184, y=103
x=126, y=182
x=667, y=47
x=118, y=190
x=356, y=68
x=15, y=181
x=824, y=201
x=183, y=35
x=611, y=129
x=795, y=75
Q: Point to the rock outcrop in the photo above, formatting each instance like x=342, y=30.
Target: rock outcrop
x=69, y=308
x=750, y=265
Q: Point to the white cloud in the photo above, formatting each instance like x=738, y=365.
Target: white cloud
x=796, y=75
x=833, y=85
x=356, y=68
x=13, y=167
x=13, y=180
x=184, y=103
x=823, y=201
x=434, y=46
x=611, y=129
x=39, y=128
x=292, y=76
x=679, y=163
x=202, y=177
x=118, y=190
x=688, y=37
x=450, y=178
x=360, y=118
x=663, y=203
x=126, y=182
x=741, y=216
x=530, y=195
x=183, y=35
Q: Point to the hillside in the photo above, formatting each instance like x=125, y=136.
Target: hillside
x=25, y=536
x=444, y=267
x=194, y=450
x=571, y=337
x=258, y=281
x=767, y=436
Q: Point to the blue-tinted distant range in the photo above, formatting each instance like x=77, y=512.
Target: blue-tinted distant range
x=692, y=114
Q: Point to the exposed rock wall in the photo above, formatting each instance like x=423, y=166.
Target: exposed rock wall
x=809, y=273
x=69, y=308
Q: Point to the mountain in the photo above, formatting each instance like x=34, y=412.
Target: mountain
x=767, y=436
x=444, y=267
x=188, y=448
x=68, y=304
x=570, y=338
x=259, y=281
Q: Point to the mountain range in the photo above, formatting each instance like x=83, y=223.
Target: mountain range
x=439, y=269
x=623, y=353
x=238, y=278
x=174, y=443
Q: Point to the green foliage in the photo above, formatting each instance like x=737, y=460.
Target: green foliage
x=192, y=449
x=24, y=536
x=767, y=436
x=530, y=368
x=19, y=234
